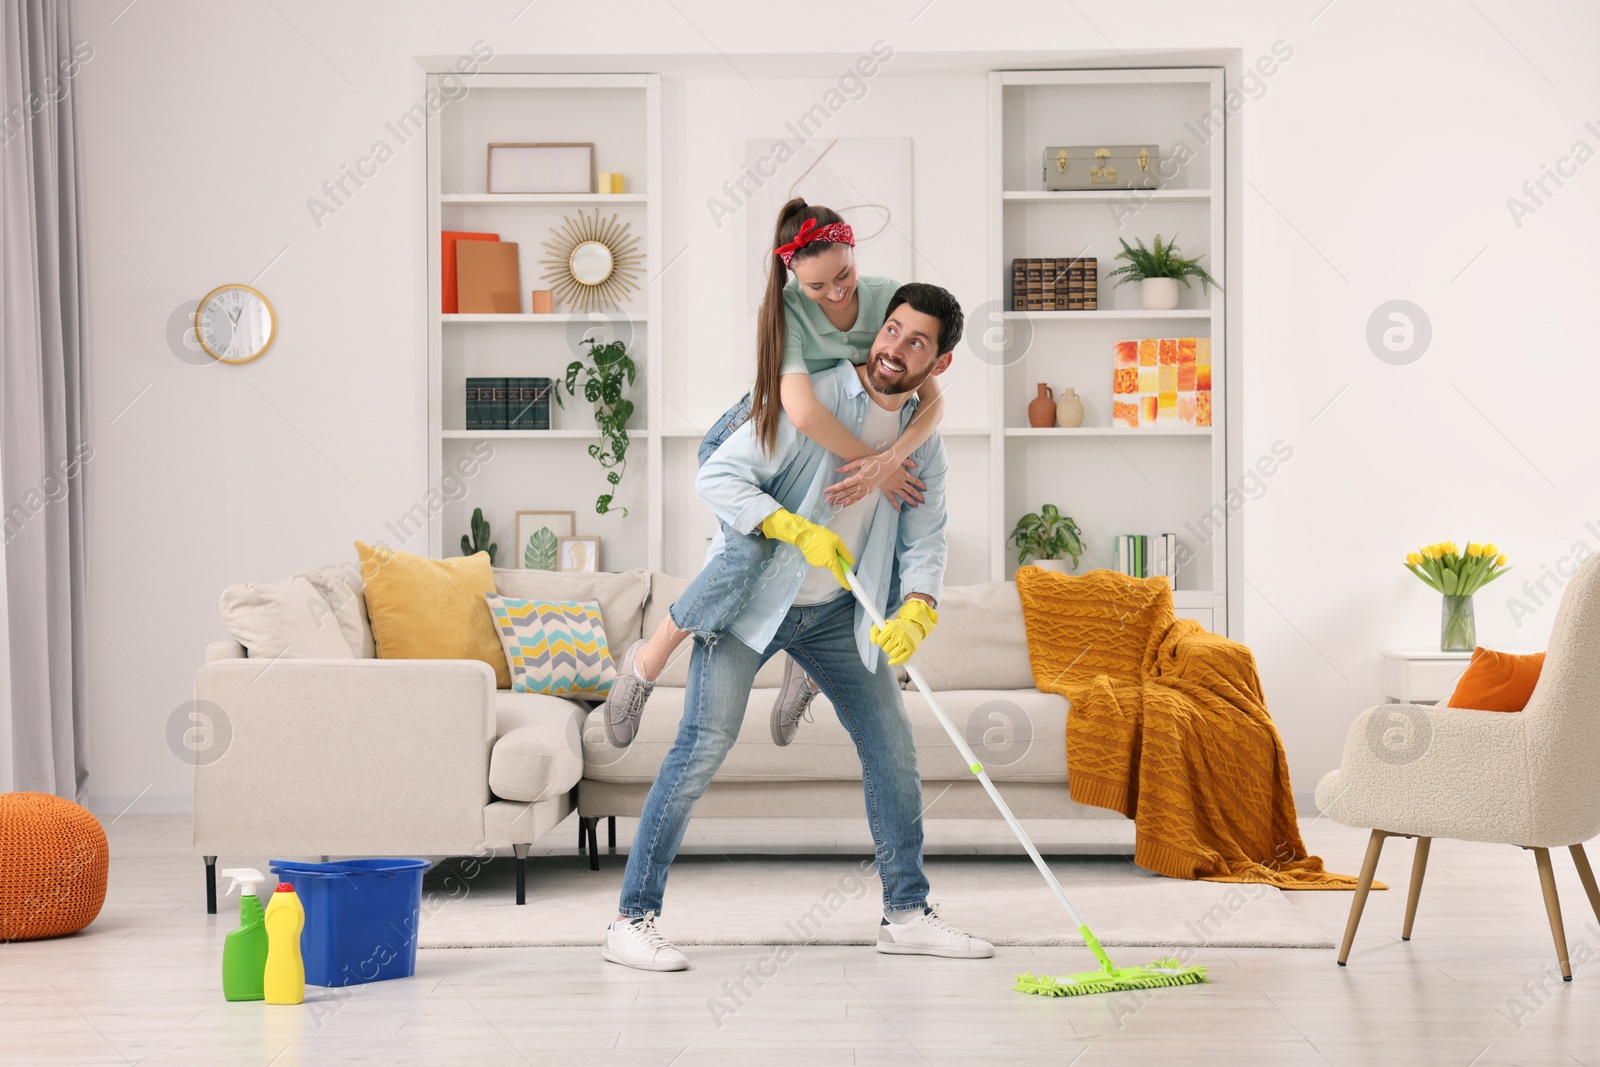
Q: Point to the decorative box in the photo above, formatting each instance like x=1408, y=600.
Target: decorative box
x=1101, y=166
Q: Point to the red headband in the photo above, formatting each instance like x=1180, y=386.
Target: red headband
x=837, y=232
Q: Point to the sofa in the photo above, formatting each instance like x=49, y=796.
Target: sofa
x=317, y=748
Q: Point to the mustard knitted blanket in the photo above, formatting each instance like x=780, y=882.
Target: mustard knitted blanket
x=1168, y=726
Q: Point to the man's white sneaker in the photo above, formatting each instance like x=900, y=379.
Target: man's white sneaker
x=929, y=935
x=641, y=946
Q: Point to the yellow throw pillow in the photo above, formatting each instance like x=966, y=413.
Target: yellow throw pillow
x=424, y=608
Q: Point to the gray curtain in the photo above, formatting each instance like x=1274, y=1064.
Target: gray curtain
x=43, y=449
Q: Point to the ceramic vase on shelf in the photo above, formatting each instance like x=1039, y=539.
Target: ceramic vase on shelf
x=1458, y=630
x=1042, y=408
x=1069, y=409
x=1159, y=294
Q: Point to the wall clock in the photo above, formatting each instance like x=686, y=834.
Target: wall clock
x=234, y=324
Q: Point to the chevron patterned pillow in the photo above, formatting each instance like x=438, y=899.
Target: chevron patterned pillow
x=555, y=647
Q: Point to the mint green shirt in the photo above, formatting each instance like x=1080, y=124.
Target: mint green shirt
x=815, y=344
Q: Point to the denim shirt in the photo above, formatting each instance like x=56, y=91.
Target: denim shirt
x=905, y=550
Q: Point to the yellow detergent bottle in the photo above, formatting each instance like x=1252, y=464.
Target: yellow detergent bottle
x=285, y=979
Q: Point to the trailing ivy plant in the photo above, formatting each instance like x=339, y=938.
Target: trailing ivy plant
x=604, y=373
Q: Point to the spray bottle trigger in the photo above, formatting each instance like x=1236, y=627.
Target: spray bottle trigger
x=244, y=878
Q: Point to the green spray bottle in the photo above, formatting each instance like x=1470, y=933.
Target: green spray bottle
x=244, y=951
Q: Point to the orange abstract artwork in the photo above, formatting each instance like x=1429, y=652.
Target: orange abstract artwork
x=1162, y=381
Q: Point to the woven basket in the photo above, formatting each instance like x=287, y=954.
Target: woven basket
x=53, y=862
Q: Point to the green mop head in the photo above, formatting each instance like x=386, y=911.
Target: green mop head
x=1167, y=972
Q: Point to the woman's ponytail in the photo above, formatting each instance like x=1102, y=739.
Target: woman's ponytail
x=766, y=399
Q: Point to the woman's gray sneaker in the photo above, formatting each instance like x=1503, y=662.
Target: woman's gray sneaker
x=625, y=703
x=793, y=703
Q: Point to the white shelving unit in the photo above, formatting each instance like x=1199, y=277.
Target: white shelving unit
x=544, y=469
x=1112, y=480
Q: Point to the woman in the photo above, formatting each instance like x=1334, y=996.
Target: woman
x=816, y=311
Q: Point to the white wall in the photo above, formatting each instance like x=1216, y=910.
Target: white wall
x=1376, y=164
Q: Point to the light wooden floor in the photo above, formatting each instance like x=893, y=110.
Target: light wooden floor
x=1472, y=989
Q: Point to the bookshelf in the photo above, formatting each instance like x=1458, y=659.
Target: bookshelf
x=543, y=469
x=1111, y=479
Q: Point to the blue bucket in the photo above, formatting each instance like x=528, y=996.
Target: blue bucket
x=361, y=918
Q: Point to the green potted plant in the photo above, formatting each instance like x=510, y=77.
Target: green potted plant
x=605, y=372
x=1047, y=537
x=1158, y=270
x=479, y=542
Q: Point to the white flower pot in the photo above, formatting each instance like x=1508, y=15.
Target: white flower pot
x=1159, y=294
x=1048, y=564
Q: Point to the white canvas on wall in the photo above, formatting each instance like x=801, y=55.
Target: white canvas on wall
x=865, y=179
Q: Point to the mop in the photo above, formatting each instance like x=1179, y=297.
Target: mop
x=1110, y=978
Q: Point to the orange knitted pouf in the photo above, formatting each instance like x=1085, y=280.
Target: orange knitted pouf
x=53, y=863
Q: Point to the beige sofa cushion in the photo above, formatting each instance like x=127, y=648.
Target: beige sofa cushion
x=621, y=595
x=980, y=642
x=537, y=752
x=288, y=619
x=1018, y=736
x=664, y=589
x=340, y=585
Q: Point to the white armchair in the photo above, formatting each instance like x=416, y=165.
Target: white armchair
x=1522, y=778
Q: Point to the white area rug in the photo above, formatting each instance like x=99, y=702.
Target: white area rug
x=828, y=900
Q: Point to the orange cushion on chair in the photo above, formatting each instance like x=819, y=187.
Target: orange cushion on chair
x=53, y=865
x=1497, y=681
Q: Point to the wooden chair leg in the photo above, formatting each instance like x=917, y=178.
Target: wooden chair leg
x=1419, y=867
x=1369, y=869
x=1581, y=860
x=1552, y=906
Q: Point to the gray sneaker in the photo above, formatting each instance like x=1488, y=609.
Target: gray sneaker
x=625, y=703
x=793, y=703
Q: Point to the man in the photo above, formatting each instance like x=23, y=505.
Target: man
x=802, y=605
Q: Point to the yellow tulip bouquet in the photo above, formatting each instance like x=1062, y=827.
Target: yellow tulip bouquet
x=1453, y=573
x=1457, y=575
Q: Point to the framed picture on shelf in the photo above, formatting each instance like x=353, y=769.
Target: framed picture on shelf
x=539, y=535
x=579, y=554
x=541, y=168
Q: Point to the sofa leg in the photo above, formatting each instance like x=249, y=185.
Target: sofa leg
x=591, y=826
x=211, y=885
x=1552, y=907
x=1419, y=866
x=522, y=872
x=611, y=832
x=583, y=834
x=1369, y=868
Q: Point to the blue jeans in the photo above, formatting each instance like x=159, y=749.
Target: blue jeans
x=822, y=638
x=718, y=593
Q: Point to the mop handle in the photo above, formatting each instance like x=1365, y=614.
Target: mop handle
x=977, y=768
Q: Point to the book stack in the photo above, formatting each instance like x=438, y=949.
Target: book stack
x=1146, y=555
x=508, y=403
x=1060, y=284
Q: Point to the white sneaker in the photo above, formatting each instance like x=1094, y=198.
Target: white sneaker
x=929, y=935
x=641, y=946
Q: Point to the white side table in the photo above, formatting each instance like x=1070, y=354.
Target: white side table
x=1421, y=677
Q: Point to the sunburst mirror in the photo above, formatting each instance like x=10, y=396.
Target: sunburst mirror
x=592, y=263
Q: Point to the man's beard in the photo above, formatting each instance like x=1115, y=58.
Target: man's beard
x=905, y=383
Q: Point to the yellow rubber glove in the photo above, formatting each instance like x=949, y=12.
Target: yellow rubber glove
x=903, y=633
x=820, y=545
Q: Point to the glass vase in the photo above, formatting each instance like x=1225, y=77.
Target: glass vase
x=1458, y=631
